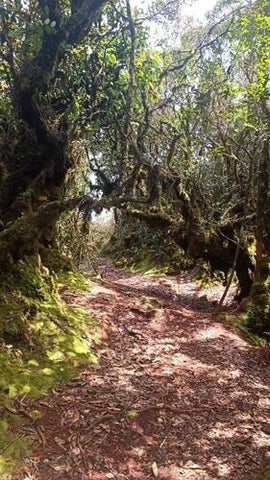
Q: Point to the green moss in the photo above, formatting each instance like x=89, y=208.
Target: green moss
x=149, y=265
x=74, y=281
x=240, y=324
x=36, y=414
x=257, y=316
x=12, y=450
x=42, y=341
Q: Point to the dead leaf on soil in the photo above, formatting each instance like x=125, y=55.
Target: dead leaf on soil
x=155, y=469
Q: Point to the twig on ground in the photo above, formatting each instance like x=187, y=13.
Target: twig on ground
x=175, y=409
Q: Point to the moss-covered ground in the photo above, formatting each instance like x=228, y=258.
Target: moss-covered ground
x=42, y=342
x=241, y=325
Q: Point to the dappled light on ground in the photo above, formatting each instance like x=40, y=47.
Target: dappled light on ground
x=177, y=394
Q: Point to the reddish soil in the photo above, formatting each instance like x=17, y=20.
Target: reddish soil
x=177, y=394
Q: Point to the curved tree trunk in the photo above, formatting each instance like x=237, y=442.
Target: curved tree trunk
x=35, y=175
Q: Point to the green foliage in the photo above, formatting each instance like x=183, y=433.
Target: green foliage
x=81, y=240
x=205, y=278
x=254, y=324
x=138, y=247
x=240, y=324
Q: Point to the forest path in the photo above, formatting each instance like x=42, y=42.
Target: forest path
x=176, y=395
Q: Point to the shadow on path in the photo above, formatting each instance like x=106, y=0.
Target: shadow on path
x=174, y=386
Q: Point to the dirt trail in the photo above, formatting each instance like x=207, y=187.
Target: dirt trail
x=176, y=395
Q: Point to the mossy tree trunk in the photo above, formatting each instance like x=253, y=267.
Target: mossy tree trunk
x=216, y=247
x=259, y=311
x=33, y=179
x=263, y=212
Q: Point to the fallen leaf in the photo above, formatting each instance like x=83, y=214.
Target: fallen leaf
x=141, y=452
x=155, y=469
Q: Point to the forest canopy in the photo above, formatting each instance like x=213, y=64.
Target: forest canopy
x=173, y=133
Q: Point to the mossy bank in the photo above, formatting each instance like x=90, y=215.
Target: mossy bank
x=42, y=342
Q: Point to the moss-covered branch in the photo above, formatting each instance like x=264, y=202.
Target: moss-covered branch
x=155, y=220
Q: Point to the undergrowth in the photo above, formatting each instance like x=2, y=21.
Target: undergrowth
x=257, y=316
x=42, y=342
x=240, y=324
x=139, y=248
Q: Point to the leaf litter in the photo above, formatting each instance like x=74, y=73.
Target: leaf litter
x=177, y=394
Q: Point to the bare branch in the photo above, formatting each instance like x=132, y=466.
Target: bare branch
x=205, y=43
